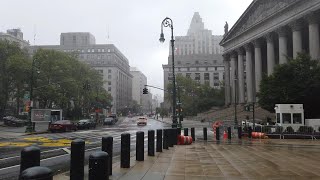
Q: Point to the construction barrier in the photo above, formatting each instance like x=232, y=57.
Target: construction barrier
x=184, y=140
x=258, y=135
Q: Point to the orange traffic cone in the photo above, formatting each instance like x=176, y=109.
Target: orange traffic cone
x=225, y=136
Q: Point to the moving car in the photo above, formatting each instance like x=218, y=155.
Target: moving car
x=86, y=124
x=63, y=125
x=142, y=121
x=109, y=121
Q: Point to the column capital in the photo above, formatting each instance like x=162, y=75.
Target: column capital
x=248, y=46
x=233, y=54
x=297, y=25
x=269, y=37
x=282, y=31
x=313, y=17
x=226, y=57
x=240, y=51
x=257, y=43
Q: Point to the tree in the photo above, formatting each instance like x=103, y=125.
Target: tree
x=14, y=63
x=297, y=82
x=196, y=97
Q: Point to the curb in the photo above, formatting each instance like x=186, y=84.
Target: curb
x=40, y=132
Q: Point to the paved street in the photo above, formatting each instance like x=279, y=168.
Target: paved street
x=55, y=147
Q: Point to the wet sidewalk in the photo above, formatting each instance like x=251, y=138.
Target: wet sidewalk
x=211, y=160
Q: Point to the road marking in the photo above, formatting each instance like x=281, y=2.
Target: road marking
x=66, y=150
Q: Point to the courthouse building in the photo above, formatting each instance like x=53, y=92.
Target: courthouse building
x=266, y=34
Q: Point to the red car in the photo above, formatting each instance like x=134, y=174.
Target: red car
x=63, y=125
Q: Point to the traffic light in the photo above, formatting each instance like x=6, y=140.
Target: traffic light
x=145, y=91
x=27, y=108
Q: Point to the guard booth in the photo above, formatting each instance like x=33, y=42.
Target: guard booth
x=290, y=115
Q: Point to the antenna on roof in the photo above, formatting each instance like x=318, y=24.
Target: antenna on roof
x=34, y=34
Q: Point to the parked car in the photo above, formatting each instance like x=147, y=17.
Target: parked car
x=13, y=121
x=109, y=121
x=142, y=121
x=114, y=116
x=63, y=125
x=86, y=124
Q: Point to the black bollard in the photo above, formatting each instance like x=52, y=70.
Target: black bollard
x=174, y=136
x=193, y=135
x=229, y=132
x=165, y=139
x=239, y=132
x=107, y=146
x=125, y=150
x=99, y=166
x=37, y=173
x=77, y=159
x=186, y=132
x=170, y=137
x=151, y=143
x=30, y=157
x=159, y=140
x=249, y=132
x=178, y=131
x=140, y=146
x=217, y=133
x=205, y=136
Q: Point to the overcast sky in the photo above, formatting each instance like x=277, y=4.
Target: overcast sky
x=133, y=25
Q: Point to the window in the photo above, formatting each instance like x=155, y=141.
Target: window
x=197, y=69
x=188, y=75
x=100, y=71
x=74, y=39
x=109, y=50
x=197, y=62
x=286, y=118
x=206, y=76
x=188, y=69
x=109, y=89
x=98, y=50
x=216, y=84
x=278, y=118
x=92, y=50
x=109, y=70
x=197, y=77
x=206, y=68
x=109, y=76
x=88, y=50
x=179, y=62
x=179, y=69
x=214, y=61
x=297, y=118
x=102, y=50
x=205, y=62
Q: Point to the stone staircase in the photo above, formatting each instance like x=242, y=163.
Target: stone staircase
x=228, y=114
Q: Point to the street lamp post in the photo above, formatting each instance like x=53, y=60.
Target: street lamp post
x=235, y=102
x=29, y=128
x=167, y=22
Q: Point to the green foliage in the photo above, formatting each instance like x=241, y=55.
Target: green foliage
x=195, y=97
x=305, y=129
x=58, y=80
x=14, y=66
x=297, y=82
x=289, y=129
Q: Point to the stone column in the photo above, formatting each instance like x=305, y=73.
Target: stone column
x=241, y=91
x=270, y=53
x=233, y=76
x=249, y=73
x=258, y=63
x=313, y=21
x=296, y=37
x=283, y=50
x=227, y=79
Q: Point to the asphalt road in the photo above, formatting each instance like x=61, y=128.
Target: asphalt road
x=55, y=147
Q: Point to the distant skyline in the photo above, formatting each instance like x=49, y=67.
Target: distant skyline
x=132, y=26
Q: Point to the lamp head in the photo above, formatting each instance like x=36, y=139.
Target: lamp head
x=161, y=37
